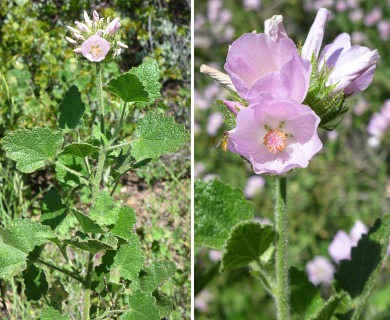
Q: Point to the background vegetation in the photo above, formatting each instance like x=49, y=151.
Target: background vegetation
x=38, y=66
x=348, y=180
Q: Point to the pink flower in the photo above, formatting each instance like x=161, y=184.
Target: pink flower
x=373, y=17
x=214, y=123
x=276, y=135
x=384, y=29
x=252, y=4
x=352, y=67
x=95, y=48
x=256, y=64
x=274, y=28
x=112, y=27
x=342, y=243
x=320, y=270
x=380, y=121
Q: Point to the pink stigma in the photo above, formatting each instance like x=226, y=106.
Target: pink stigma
x=275, y=141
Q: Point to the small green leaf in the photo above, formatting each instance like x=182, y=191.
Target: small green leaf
x=33, y=149
x=35, y=283
x=17, y=242
x=358, y=275
x=81, y=150
x=71, y=109
x=149, y=74
x=155, y=275
x=246, y=243
x=104, y=212
x=93, y=245
x=218, y=208
x=53, y=210
x=142, y=307
x=156, y=135
x=163, y=303
x=126, y=222
x=128, y=260
x=86, y=223
x=49, y=313
x=66, y=177
x=128, y=87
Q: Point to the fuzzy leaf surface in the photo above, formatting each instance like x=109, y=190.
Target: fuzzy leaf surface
x=80, y=149
x=86, y=223
x=218, y=208
x=142, y=307
x=155, y=275
x=35, y=283
x=74, y=163
x=128, y=260
x=358, y=275
x=156, y=135
x=71, y=109
x=94, y=245
x=125, y=223
x=48, y=313
x=104, y=212
x=33, y=149
x=164, y=304
x=246, y=242
x=128, y=87
x=149, y=74
x=17, y=242
x=53, y=210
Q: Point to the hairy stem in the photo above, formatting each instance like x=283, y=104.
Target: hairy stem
x=99, y=87
x=87, y=285
x=281, y=266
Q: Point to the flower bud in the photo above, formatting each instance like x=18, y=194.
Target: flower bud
x=95, y=17
x=77, y=50
x=87, y=20
x=71, y=41
x=113, y=26
x=121, y=44
x=82, y=26
x=73, y=30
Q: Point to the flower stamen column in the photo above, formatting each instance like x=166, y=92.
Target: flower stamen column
x=281, y=267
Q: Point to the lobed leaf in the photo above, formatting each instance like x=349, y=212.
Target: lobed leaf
x=35, y=284
x=33, y=149
x=155, y=275
x=71, y=109
x=149, y=74
x=48, y=313
x=74, y=163
x=246, y=242
x=104, y=212
x=163, y=303
x=86, y=223
x=12, y=262
x=125, y=223
x=142, y=307
x=128, y=87
x=218, y=208
x=156, y=135
x=128, y=260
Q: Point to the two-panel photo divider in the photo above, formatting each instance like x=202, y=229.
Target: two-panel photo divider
x=194, y=159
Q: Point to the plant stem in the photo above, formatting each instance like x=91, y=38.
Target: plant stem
x=99, y=173
x=69, y=273
x=59, y=164
x=282, y=285
x=87, y=293
x=119, y=145
x=99, y=87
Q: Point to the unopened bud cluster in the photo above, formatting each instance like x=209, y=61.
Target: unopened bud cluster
x=96, y=39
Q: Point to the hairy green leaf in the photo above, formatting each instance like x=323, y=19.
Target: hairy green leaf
x=126, y=222
x=57, y=294
x=35, y=283
x=81, y=149
x=128, y=260
x=86, y=223
x=128, y=87
x=53, y=210
x=104, y=212
x=33, y=149
x=48, y=313
x=93, y=245
x=149, y=74
x=163, y=303
x=12, y=262
x=156, y=135
x=155, y=275
x=71, y=109
x=142, y=307
x=218, y=208
x=246, y=242
x=74, y=163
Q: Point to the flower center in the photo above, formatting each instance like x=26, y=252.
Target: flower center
x=275, y=141
x=95, y=50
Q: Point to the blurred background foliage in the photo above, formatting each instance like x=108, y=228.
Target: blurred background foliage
x=37, y=66
x=348, y=180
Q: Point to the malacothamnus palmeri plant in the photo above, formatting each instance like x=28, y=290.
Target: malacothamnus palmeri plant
x=282, y=95
x=121, y=286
